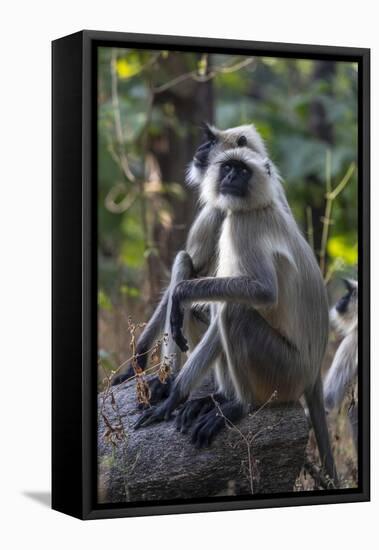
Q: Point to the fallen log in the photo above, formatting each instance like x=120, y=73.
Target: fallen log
x=263, y=453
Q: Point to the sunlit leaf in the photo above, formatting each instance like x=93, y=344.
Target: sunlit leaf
x=126, y=68
x=341, y=246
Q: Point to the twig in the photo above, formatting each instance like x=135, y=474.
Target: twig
x=194, y=75
x=245, y=438
x=117, y=119
x=330, y=196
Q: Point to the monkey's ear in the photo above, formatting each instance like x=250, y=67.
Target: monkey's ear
x=208, y=131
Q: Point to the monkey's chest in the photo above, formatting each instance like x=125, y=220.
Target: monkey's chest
x=228, y=256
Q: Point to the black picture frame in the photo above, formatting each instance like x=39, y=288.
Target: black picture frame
x=74, y=272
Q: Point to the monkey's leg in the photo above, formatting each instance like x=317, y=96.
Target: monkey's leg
x=315, y=402
x=195, y=368
x=182, y=269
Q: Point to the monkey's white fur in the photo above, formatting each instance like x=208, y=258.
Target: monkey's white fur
x=343, y=372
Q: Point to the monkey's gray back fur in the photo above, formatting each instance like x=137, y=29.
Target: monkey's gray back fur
x=272, y=242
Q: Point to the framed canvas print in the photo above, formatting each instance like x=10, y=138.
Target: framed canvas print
x=210, y=274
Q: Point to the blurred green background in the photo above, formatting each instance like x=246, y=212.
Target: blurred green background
x=151, y=105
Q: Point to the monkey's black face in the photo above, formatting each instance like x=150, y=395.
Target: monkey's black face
x=234, y=178
x=343, y=303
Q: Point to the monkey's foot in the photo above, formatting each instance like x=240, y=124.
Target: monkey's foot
x=123, y=377
x=160, y=412
x=141, y=359
x=214, y=421
x=158, y=391
x=151, y=416
x=191, y=410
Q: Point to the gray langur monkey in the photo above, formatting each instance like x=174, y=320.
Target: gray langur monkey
x=247, y=260
x=198, y=259
x=342, y=374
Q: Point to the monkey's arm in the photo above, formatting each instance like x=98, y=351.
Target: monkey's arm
x=258, y=292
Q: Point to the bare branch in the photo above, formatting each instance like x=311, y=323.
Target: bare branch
x=194, y=75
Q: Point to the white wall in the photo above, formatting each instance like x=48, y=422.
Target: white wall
x=27, y=29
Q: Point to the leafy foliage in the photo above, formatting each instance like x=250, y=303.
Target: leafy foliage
x=304, y=109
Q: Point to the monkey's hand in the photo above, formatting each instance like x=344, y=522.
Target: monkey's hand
x=153, y=415
x=161, y=412
x=176, y=323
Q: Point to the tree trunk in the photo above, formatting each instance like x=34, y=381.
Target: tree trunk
x=173, y=148
x=321, y=129
x=158, y=462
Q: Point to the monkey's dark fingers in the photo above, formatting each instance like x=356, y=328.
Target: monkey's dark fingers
x=176, y=325
x=157, y=414
x=207, y=428
x=190, y=411
x=151, y=416
x=145, y=419
x=123, y=377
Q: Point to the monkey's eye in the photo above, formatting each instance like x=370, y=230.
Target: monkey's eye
x=227, y=167
x=241, y=141
x=245, y=171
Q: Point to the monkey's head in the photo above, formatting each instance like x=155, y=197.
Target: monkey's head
x=344, y=314
x=233, y=170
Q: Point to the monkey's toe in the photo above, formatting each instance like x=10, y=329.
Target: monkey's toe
x=190, y=411
x=151, y=416
x=207, y=427
x=123, y=377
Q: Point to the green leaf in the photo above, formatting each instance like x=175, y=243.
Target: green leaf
x=104, y=301
x=128, y=67
x=341, y=246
